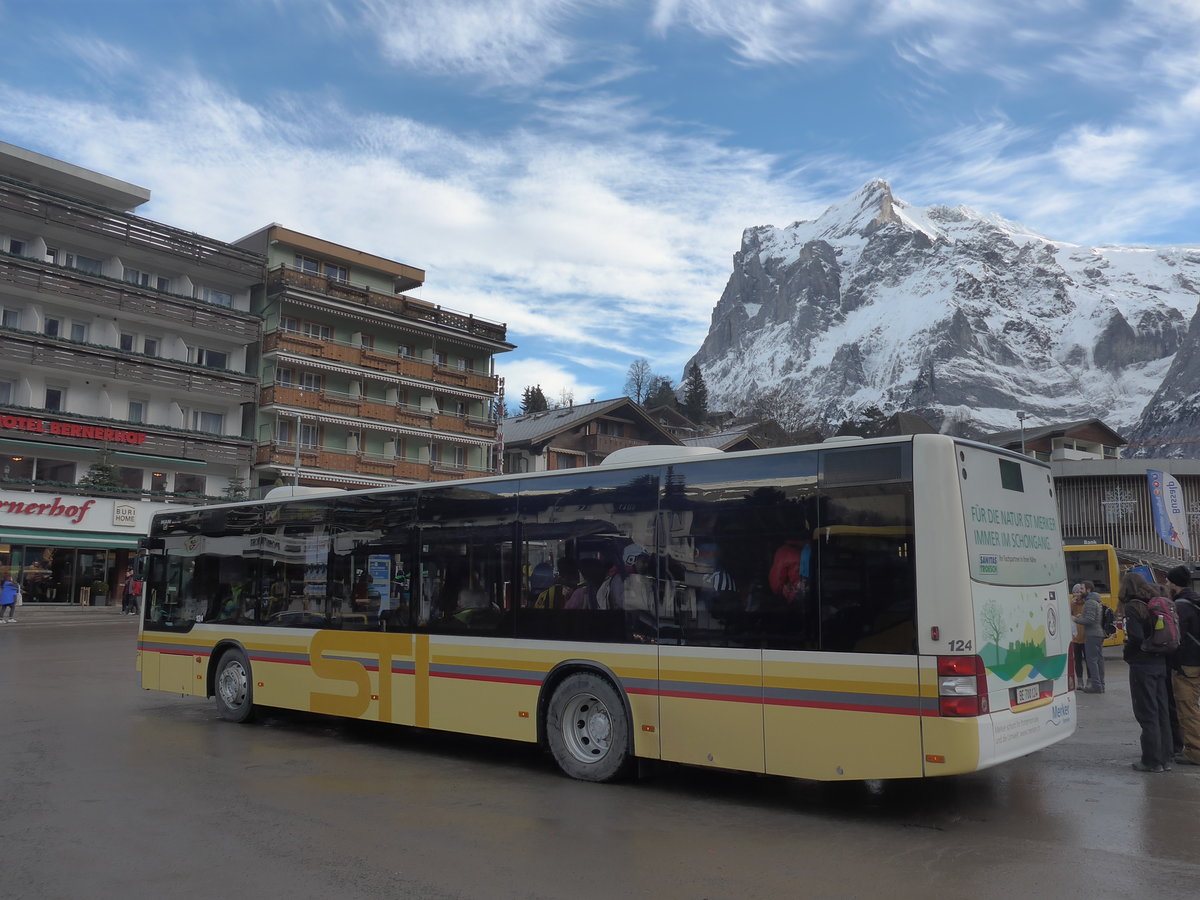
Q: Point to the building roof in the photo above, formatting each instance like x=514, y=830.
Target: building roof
x=1087, y=429
x=725, y=440
x=69, y=179
x=405, y=276
x=673, y=416
x=542, y=426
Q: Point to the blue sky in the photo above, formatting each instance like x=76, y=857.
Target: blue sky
x=583, y=169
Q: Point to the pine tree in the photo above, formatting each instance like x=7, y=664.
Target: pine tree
x=236, y=489
x=534, y=400
x=695, y=396
x=661, y=393
x=101, y=474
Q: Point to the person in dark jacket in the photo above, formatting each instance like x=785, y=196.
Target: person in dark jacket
x=1185, y=664
x=1148, y=686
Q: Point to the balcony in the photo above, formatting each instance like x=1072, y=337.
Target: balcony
x=48, y=207
x=604, y=444
x=24, y=348
x=119, y=298
x=374, y=410
x=282, y=455
x=351, y=355
x=284, y=277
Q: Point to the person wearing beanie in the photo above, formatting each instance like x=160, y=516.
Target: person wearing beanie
x=1185, y=664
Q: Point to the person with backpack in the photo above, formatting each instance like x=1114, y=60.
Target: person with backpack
x=1148, y=679
x=1185, y=665
x=1093, y=638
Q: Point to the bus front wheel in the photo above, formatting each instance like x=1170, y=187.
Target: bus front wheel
x=587, y=729
x=233, y=688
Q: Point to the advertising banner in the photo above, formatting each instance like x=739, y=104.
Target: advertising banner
x=1167, y=508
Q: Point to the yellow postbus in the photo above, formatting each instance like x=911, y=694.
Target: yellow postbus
x=1097, y=563
x=887, y=608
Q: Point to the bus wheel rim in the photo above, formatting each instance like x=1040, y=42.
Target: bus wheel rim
x=232, y=685
x=587, y=728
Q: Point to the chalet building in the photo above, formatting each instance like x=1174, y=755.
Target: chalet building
x=363, y=384
x=573, y=436
x=675, y=422
x=125, y=342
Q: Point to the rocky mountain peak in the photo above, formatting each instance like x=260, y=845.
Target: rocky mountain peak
x=964, y=317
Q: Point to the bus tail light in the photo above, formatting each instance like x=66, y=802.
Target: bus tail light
x=962, y=686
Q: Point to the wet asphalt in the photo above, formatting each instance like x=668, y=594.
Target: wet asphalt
x=110, y=791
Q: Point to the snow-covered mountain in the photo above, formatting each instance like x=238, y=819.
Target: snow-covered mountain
x=963, y=317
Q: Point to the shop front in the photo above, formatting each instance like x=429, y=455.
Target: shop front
x=68, y=549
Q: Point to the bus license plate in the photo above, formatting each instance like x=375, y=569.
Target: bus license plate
x=1027, y=693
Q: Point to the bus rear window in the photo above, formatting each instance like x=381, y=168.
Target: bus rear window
x=1010, y=476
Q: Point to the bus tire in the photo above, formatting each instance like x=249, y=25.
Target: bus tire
x=587, y=729
x=233, y=687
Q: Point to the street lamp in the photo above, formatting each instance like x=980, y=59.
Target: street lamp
x=1021, y=418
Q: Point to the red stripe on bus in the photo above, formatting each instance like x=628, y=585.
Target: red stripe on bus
x=491, y=678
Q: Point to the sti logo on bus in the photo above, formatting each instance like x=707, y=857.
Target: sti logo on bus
x=989, y=565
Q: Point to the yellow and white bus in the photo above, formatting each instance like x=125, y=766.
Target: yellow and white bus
x=888, y=608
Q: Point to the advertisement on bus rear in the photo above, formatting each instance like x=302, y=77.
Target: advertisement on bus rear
x=1011, y=518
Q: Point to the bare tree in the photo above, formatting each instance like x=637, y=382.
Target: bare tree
x=992, y=620
x=637, y=379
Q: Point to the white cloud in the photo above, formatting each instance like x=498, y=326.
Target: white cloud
x=554, y=378
x=503, y=41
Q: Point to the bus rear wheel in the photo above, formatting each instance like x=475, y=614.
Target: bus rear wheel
x=587, y=729
x=233, y=689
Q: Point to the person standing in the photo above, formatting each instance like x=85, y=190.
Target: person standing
x=1148, y=687
x=1185, y=664
x=1077, y=632
x=1093, y=639
x=8, y=600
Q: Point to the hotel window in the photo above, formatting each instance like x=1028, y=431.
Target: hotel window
x=213, y=423
x=127, y=342
x=460, y=457
x=367, y=341
x=308, y=265
x=15, y=247
x=316, y=331
x=283, y=431
x=136, y=276
x=130, y=477
x=56, y=398
x=216, y=298
x=310, y=436
x=55, y=470
x=460, y=409
x=285, y=377
x=51, y=254
x=79, y=332
x=186, y=483
x=8, y=391
x=11, y=318
x=288, y=324
x=435, y=454
x=439, y=359
x=162, y=283
x=214, y=359
x=337, y=273
x=158, y=481
x=150, y=346
x=137, y=411
x=310, y=381
x=84, y=263
x=462, y=364
x=52, y=327
x=404, y=351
